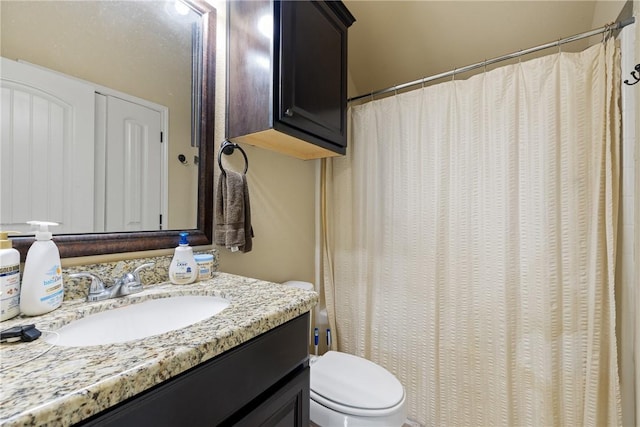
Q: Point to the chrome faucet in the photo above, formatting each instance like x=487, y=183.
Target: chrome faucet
x=129, y=283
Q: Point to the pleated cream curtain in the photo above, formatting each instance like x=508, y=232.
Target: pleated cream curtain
x=469, y=243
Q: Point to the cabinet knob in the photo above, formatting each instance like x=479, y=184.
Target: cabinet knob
x=288, y=112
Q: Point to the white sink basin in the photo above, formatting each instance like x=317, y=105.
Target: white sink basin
x=137, y=321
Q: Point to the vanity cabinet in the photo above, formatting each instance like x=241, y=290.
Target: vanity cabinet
x=263, y=382
x=287, y=76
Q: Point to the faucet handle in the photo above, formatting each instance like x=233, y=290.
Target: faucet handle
x=136, y=272
x=130, y=282
x=97, y=290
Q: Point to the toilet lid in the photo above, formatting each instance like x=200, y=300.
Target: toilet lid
x=342, y=381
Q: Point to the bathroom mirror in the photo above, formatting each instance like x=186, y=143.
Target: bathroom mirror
x=199, y=152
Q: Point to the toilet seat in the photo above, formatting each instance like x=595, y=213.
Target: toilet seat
x=355, y=386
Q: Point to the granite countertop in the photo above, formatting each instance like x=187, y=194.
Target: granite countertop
x=68, y=384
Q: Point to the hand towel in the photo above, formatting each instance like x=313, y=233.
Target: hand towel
x=233, y=228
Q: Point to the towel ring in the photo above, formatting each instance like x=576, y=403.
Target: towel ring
x=228, y=148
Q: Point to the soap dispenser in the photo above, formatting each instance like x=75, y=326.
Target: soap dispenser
x=9, y=278
x=42, y=288
x=183, y=268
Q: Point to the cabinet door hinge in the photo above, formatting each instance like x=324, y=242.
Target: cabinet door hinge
x=161, y=137
x=160, y=221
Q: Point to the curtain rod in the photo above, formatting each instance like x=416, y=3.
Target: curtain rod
x=611, y=27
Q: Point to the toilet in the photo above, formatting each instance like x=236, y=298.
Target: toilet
x=351, y=391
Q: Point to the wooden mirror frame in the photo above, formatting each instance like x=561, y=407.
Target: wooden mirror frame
x=76, y=245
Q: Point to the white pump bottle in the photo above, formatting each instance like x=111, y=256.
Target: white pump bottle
x=9, y=278
x=42, y=287
x=183, y=268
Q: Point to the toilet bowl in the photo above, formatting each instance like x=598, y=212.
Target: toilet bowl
x=351, y=391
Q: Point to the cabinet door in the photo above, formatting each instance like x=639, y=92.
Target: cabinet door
x=287, y=407
x=313, y=80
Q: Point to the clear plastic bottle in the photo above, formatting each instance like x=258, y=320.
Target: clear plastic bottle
x=9, y=278
x=183, y=269
x=42, y=288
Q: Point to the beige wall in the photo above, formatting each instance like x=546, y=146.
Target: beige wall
x=606, y=11
x=394, y=42
x=282, y=210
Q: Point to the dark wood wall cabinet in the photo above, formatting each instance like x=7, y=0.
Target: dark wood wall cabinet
x=263, y=382
x=287, y=76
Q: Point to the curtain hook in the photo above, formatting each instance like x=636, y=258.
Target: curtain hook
x=612, y=27
x=395, y=90
x=607, y=32
x=453, y=75
x=484, y=66
x=559, y=46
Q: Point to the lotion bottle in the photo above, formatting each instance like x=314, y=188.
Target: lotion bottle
x=183, y=269
x=9, y=278
x=42, y=288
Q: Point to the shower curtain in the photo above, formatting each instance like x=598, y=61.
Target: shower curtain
x=469, y=238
